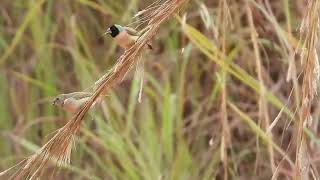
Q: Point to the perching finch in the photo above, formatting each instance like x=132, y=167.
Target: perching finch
x=72, y=102
x=125, y=37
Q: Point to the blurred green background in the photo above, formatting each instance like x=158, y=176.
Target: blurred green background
x=201, y=93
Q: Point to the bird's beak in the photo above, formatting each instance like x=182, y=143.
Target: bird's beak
x=108, y=31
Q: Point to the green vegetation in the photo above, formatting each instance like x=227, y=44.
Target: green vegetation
x=221, y=97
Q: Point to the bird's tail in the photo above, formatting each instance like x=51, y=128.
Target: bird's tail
x=149, y=46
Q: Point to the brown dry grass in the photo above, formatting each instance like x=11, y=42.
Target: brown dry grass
x=310, y=71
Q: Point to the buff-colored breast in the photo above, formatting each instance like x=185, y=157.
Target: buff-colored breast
x=73, y=105
x=124, y=40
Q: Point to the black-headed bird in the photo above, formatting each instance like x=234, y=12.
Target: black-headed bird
x=125, y=37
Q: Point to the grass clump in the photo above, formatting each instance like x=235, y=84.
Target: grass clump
x=224, y=93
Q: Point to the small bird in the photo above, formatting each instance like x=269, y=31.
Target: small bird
x=125, y=37
x=72, y=102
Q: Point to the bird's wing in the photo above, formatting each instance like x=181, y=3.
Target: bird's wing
x=144, y=30
x=131, y=31
x=79, y=95
x=73, y=105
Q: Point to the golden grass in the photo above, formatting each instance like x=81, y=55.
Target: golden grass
x=310, y=71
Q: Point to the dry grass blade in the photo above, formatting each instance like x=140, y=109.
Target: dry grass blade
x=263, y=106
x=310, y=67
x=59, y=147
x=225, y=21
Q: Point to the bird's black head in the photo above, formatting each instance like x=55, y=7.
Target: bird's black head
x=113, y=31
